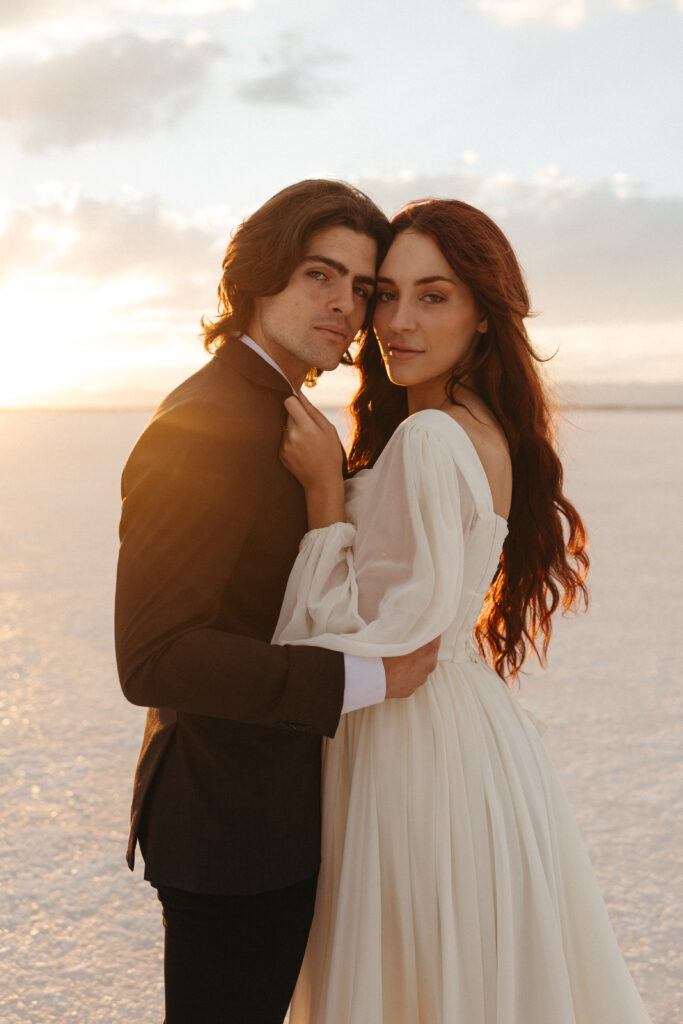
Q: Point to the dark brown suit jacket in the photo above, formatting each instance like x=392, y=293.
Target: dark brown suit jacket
x=227, y=790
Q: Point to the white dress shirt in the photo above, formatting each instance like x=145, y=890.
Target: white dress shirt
x=365, y=681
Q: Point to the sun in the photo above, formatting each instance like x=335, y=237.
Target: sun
x=61, y=337
x=37, y=358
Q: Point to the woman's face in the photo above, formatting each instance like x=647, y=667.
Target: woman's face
x=426, y=318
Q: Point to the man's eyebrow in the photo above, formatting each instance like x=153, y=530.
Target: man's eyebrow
x=422, y=280
x=335, y=264
x=339, y=267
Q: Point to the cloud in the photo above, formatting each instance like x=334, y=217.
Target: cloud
x=111, y=291
x=603, y=253
x=83, y=242
x=104, y=293
x=565, y=14
x=126, y=84
x=292, y=78
x=39, y=12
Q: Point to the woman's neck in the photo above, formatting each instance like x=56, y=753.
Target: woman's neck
x=431, y=395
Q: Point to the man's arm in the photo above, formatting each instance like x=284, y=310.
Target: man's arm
x=189, y=504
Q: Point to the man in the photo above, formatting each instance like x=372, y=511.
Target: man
x=226, y=802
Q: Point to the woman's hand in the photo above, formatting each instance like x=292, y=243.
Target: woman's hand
x=312, y=452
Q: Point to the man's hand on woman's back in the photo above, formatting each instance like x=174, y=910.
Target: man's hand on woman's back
x=407, y=672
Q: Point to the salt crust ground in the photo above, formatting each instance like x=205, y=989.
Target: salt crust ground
x=81, y=936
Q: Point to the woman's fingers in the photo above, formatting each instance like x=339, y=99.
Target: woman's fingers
x=314, y=412
x=308, y=405
x=316, y=415
x=300, y=413
x=296, y=410
x=310, y=447
x=299, y=428
x=305, y=415
x=310, y=443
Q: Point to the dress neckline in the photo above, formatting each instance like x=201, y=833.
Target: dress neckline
x=470, y=443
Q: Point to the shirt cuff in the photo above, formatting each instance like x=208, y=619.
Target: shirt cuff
x=365, y=682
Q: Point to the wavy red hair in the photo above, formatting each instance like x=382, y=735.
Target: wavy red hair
x=544, y=560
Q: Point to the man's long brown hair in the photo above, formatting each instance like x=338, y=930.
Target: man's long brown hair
x=544, y=560
x=267, y=247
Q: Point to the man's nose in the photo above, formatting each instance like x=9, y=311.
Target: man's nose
x=342, y=299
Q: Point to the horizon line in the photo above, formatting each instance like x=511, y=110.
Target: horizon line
x=603, y=406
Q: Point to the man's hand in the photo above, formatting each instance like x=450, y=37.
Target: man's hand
x=408, y=671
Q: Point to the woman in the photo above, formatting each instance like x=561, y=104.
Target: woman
x=454, y=887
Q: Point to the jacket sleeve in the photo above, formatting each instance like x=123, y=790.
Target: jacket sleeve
x=188, y=506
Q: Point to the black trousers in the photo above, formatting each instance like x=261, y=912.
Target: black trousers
x=234, y=959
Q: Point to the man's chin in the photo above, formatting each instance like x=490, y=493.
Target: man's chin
x=328, y=360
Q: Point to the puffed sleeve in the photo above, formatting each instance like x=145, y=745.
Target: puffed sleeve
x=392, y=581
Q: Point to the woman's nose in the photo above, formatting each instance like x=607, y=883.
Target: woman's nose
x=402, y=318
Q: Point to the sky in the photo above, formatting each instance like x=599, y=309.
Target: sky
x=135, y=134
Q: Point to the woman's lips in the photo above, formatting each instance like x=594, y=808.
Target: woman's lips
x=404, y=353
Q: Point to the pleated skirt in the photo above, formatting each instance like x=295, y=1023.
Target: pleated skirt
x=455, y=887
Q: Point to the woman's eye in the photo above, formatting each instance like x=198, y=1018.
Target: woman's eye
x=318, y=275
x=385, y=296
x=433, y=298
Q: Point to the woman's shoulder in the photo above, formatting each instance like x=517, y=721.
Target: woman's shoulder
x=481, y=430
x=478, y=444
x=490, y=443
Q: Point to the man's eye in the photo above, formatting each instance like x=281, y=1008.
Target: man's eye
x=361, y=291
x=318, y=275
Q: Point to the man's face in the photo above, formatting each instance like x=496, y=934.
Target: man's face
x=314, y=319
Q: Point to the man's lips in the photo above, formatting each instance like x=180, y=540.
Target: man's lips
x=334, y=331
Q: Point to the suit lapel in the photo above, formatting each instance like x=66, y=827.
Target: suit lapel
x=250, y=365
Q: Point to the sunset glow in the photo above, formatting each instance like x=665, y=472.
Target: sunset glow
x=135, y=139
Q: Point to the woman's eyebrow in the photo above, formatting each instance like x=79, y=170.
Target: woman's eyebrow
x=422, y=280
x=435, y=277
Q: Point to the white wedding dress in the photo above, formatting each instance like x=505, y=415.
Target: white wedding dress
x=455, y=887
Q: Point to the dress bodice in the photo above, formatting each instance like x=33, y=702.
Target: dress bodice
x=484, y=531
x=415, y=558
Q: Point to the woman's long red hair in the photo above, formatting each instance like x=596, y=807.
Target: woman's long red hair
x=544, y=561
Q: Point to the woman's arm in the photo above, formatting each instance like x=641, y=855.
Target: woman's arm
x=391, y=580
x=312, y=452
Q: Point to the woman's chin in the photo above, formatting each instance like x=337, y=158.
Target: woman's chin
x=404, y=377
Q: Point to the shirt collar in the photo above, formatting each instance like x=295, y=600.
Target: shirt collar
x=255, y=347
